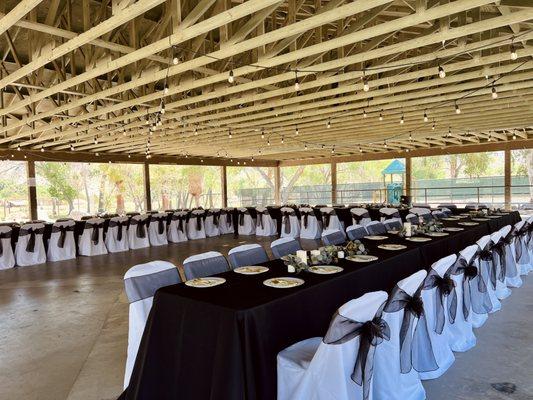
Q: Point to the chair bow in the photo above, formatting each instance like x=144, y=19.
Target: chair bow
x=62, y=229
x=416, y=350
x=30, y=246
x=326, y=216
x=241, y=216
x=370, y=333
x=499, y=258
x=305, y=217
x=4, y=235
x=119, y=225
x=140, y=230
x=287, y=221
x=260, y=218
x=469, y=271
x=445, y=288
x=95, y=235
x=359, y=218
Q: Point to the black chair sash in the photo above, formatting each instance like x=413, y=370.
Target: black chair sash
x=370, y=333
x=161, y=220
x=486, y=255
x=63, y=229
x=140, y=230
x=305, y=217
x=229, y=217
x=522, y=239
x=95, y=235
x=30, y=246
x=119, y=225
x=326, y=217
x=286, y=220
x=359, y=218
x=199, y=218
x=260, y=214
x=416, y=350
x=241, y=216
x=4, y=235
x=180, y=219
x=390, y=216
x=472, y=280
x=215, y=215
x=445, y=288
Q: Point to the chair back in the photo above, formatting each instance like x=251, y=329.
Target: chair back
x=391, y=224
x=7, y=258
x=333, y=237
x=247, y=254
x=376, y=228
x=283, y=246
x=413, y=282
x=29, y=249
x=205, y=264
x=62, y=245
x=356, y=232
x=443, y=265
x=469, y=252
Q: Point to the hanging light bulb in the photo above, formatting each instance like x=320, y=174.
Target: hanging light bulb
x=333, y=150
x=97, y=154
x=166, y=89
x=195, y=131
x=426, y=119
x=366, y=87
x=328, y=125
x=402, y=120
x=494, y=92
x=360, y=149
x=229, y=134
x=18, y=147
x=129, y=155
x=514, y=54
x=442, y=73
x=147, y=120
x=305, y=146
x=175, y=60
x=514, y=136
x=364, y=113
x=262, y=134
x=162, y=108
x=490, y=138
x=296, y=82
x=252, y=158
x=71, y=147
x=381, y=116
x=296, y=131
x=457, y=109
x=42, y=149
x=231, y=78
x=268, y=142
x=410, y=137
x=282, y=140
x=449, y=131
x=385, y=144
x=433, y=126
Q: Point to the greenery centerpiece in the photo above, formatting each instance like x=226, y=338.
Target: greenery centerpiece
x=430, y=226
x=477, y=214
x=355, y=247
x=295, y=261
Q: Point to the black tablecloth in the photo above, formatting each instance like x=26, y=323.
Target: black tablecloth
x=222, y=342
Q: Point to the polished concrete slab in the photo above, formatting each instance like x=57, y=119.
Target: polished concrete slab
x=63, y=331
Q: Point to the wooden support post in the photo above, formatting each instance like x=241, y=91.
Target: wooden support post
x=147, y=193
x=507, y=178
x=224, y=181
x=32, y=189
x=277, y=185
x=408, y=176
x=334, y=183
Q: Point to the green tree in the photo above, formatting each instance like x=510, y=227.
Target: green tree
x=58, y=176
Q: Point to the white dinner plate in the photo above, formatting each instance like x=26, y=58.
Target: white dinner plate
x=393, y=231
x=251, y=270
x=418, y=239
x=480, y=219
x=361, y=258
x=437, y=234
x=450, y=219
x=464, y=215
x=392, y=246
x=325, y=269
x=468, y=223
x=376, y=237
x=205, y=282
x=283, y=282
x=494, y=216
x=454, y=229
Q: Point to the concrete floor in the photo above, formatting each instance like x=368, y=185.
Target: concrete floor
x=63, y=332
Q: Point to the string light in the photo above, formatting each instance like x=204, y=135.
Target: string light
x=410, y=137
x=195, y=131
x=175, y=60
x=434, y=125
x=268, y=142
x=514, y=54
x=494, y=92
x=166, y=89
x=129, y=155
x=262, y=134
x=42, y=149
x=231, y=78
x=366, y=87
x=282, y=140
x=296, y=82
x=360, y=149
x=71, y=147
x=364, y=113
x=426, y=119
x=162, y=108
x=328, y=125
x=457, y=109
x=18, y=147
x=442, y=73
x=381, y=116
x=385, y=144
x=514, y=136
x=296, y=131
x=147, y=120
x=333, y=150
x=401, y=119
x=449, y=131
x=252, y=158
x=305, y=146
x=229, y=134
x=97, y=154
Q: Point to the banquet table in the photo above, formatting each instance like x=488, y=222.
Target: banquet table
x=222, y=342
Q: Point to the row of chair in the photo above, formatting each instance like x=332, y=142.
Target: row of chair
x=382, y=346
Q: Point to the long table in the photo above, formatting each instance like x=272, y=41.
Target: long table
x=222, y=342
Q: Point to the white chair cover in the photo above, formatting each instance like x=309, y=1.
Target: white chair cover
x=157, y=229
x=523, y=258
x=195, y=225
x=283, y=246
x=7, y=258
x=388, y=213
x=61, y=245
x=412, y=218
x=437, y=306
x=116, y=238
x=29, y=249
x=247, y=254
x=376, y=228
x=315, y=370
x=398, y=360
x=226, y=221
x=422, y=212
x=393, y=224
x=502, y=291
x=204, y=264
x=211, y=222
x=333, y=237
x=330, y=220
x=310, y=227
x=360, y=216
x=141, y=283
x=356, y=232
x=265, y=225
x=91, y=241
x=507, y=257
x=290, y=226
x=246, y=225
x=485, y=268
x=137, y=232
x=177, y=229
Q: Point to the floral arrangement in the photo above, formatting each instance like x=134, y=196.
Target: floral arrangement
x=477, y=214
x=295, y=261
x=430, y=226
x=326, y=255
x=355, y=247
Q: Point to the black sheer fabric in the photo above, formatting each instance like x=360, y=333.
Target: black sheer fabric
x=4, y=235
x=304, y=215
x=326, y=216
x=416, y=350
x=63, y=229
x=119, y=225
x=140, y=230
x=286, y=221
x=30, y=246
x=509, y=269
x=259, y=222
x=95, y=235
x=228, y=217
x=371, y=333
x=241, y=216
x=522, y=241
x=215, y=215
x=358, y=218
x=387, y=216
x=445, y=292
x=475, y=295
x=181, y=219
x=486, y=256
x=198, y=218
